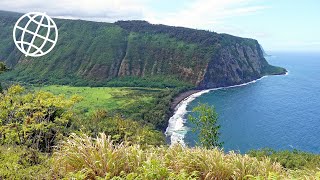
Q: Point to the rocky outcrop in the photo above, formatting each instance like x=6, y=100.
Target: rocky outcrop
x=236, y=64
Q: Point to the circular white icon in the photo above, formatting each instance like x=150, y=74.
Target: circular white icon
x=35, y=34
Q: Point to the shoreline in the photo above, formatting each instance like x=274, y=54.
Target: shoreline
x=184, y=95
x=176, y=131
x=180, y=97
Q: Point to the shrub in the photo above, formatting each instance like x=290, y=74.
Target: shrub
x=36, y=120
x=206, y=121
x=100, y=157
x=290, y=159
x=17, y=162
x=120, y=129
x=3, y=67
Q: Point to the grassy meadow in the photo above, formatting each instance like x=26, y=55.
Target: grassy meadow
x=107, y=98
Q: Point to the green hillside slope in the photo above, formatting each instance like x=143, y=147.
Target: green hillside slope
x=94, y=53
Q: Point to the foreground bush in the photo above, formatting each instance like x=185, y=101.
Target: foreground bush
x=120, y=129
x=18, y=162
x=84, y=157
x=36, y=120
x=290, y=159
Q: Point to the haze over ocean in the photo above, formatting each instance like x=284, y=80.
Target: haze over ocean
x=279, y=112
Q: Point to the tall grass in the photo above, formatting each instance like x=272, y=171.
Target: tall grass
x=99, y=157
x=84, y=157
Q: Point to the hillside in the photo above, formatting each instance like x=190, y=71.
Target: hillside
x=94, y=53
x=40, y=138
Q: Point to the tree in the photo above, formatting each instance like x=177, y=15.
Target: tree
x=206, y=124
x=3, y=67
x=36, y=120
x=121, y=130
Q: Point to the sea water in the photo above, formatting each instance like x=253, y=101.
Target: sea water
x=279, y=112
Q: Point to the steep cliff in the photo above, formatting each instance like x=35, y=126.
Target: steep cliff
x=237, y=62
x=93, y=53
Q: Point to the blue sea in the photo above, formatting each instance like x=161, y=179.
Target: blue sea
x=279, y=112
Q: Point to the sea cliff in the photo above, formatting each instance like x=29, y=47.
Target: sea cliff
x=96, y=53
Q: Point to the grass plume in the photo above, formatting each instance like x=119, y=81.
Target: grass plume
x=88, y=158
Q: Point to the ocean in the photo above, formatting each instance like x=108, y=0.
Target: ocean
x=278, y=112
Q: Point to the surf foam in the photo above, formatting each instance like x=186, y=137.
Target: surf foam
x=176, y=129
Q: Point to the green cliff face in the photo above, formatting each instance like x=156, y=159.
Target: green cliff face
x=236, y=62
x=96, y=53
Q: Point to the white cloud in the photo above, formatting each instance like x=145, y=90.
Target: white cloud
x=100, y=10
x=199, y=14
x=241, y=31
x=207, y=13
x=196, y=14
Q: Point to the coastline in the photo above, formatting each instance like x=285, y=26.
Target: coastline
x=176, y=130
x=184, y=95
x=180, y=97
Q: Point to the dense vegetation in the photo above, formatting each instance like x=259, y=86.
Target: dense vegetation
x=3, y=68
x=33, y=123
x=91, y=54
x=82, y=157
x=117, y=99
x=36, y=120
x=19, y=162
x=39, y=120
x=134, y=53
x=290, y=159
x=147, y=105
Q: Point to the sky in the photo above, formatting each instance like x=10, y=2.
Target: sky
x=279, y=25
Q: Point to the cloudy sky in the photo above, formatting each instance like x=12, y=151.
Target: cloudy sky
x=279, y=25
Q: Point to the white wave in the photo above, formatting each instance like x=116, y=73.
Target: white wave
x=287, y=73
x=176, y=129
